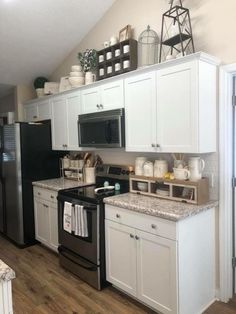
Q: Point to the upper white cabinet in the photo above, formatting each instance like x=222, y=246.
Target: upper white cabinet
x=65, y=111
x=172, y=109
x=104, y=97
x=38, y=111
x=140, y=112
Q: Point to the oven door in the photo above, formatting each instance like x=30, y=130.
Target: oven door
x=103, y=129
x=89, y=247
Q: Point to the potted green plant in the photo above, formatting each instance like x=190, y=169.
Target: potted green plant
x=88, y=61
x=39, y=85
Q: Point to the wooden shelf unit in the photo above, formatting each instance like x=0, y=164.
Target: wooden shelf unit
x=178, y=190
x=132, y=56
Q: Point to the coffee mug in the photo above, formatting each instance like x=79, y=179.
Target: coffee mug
x=106, y=44
x=117, y=52
x=181, y=174
x=109, y=69
x=101, y=72
x=108, y=55
x=117, y=67
x=126, y=49
x=101, y=58
x=126, y=64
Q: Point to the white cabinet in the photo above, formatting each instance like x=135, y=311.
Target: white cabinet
x=38, y=111
x=104, y=97
x=160, y=262
x=140, y=112
x=173, y=109
x=156, y=271
x=65, y=111
x=121, y=256
x=45, y=216
x=6, y=306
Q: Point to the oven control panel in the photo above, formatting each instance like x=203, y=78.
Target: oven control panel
x=115, y=171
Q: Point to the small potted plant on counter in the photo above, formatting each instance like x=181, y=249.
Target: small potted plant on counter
x=39, y=85
x=88, y=61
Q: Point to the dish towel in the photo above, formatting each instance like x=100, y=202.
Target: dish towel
x=81, y=225
x=67, y=217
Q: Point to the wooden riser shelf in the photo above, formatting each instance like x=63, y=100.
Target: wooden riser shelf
x=177, y=190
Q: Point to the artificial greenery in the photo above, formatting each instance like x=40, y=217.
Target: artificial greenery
x=39, y=82
x=88, y=59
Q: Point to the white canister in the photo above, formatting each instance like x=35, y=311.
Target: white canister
x=160, y=168
x=196, y=167
x=139, y=162
x=148, y=169
x=66, y=162
x=89, y=174
x=117, y=67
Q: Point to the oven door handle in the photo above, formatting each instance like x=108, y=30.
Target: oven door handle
x=90, y=268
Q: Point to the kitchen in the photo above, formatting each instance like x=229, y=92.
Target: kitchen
x=196, y=144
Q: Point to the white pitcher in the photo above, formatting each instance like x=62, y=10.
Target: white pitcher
x=196, y=167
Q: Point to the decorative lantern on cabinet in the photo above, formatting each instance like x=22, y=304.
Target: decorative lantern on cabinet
x=176, y=32
x=148, y=43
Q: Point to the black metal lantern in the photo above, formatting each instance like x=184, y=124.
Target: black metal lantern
x=176, y=32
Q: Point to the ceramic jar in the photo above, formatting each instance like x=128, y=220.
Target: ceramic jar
x=160, y=168
x=139, y=162
x=148, y=169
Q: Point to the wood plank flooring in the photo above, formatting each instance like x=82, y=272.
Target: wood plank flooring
x=43, y=287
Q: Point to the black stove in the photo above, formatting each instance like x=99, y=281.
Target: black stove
x=85, y=256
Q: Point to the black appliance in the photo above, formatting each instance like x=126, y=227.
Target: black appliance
x=25, y=156
x=102, y=129
x=85, y=257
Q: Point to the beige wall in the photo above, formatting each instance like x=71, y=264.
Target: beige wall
x=213, y=22
x=22, y=94
x=7, y=103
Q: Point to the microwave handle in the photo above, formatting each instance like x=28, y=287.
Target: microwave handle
x=108, y=132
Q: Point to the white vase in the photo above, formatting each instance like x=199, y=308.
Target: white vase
x=89, y=77
x=40, y=92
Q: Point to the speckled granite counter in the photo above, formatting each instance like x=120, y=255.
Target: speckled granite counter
x=6, y=273
x=153, y=206
x=58, y=184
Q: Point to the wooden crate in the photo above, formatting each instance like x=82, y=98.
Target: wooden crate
x=177, y=190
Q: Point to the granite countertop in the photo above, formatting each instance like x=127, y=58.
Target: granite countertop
x=6, y=273
x=153, y=206
x=58, y=184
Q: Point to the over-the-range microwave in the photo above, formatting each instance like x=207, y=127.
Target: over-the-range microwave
x=104, y=129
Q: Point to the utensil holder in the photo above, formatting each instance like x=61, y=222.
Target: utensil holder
x=89, y=174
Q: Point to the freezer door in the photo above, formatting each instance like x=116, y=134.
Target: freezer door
x=11, y=168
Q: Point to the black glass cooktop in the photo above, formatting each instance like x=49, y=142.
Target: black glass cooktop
x=87, y=193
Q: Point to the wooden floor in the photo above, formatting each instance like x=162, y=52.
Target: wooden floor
x=43, y=287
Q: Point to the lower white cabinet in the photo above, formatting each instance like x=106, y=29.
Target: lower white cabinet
x=171, y=274
x=6, y=297
x=45, y=216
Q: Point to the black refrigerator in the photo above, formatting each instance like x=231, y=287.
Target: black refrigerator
x=25, y=156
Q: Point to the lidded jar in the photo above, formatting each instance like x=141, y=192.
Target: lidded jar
x=160, y=168
x=139, y=162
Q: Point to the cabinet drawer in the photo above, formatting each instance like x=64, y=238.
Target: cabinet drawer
x=161, y=227
x=45, y=194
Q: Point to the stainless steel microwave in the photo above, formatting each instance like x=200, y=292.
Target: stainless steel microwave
x=102, y=129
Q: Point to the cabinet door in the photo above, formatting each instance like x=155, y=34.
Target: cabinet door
x=177, y=114
x=31, y=112
x=90, y=98
x=112, y=95
x=73, y=110
x=59, y=123
x=140, y=113
x=44, y=110
x=41, y=217
x=53, y=227
x=156, y=271
x=121, y=256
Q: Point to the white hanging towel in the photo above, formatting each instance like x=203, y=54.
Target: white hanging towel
x=81, y=225
x=67, y=217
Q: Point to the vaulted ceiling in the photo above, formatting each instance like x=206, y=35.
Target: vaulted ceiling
x=36, y=35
